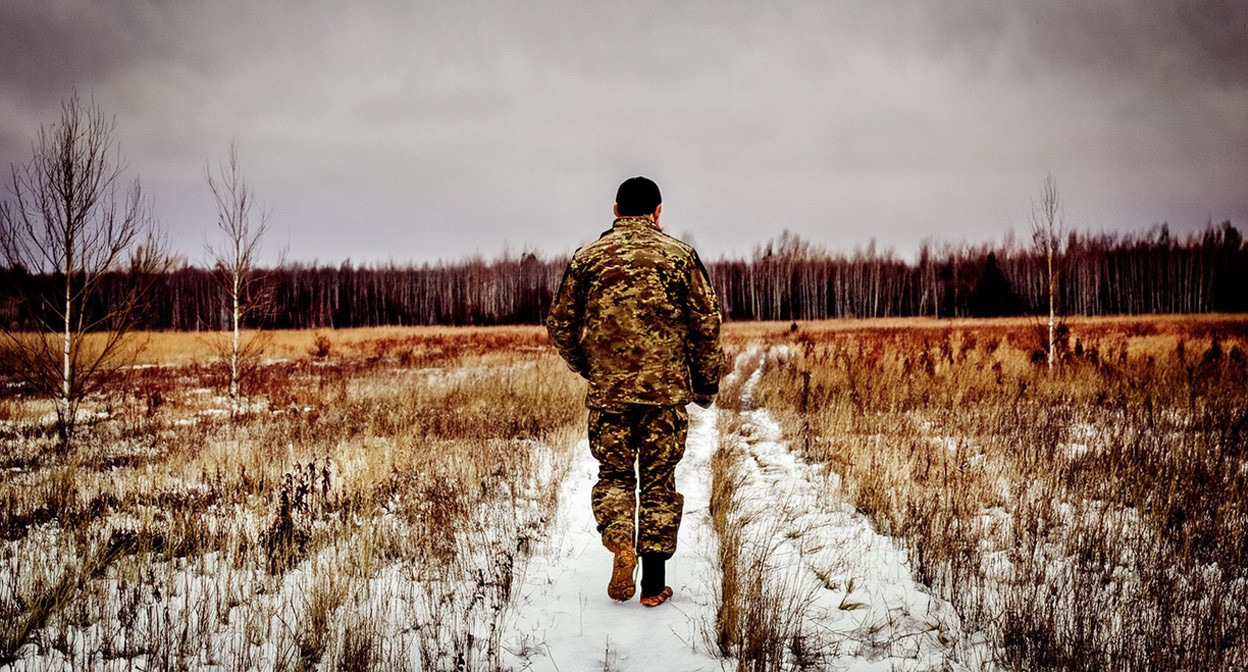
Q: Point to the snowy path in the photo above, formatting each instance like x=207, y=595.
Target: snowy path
x=860, y=610
x=563, y=620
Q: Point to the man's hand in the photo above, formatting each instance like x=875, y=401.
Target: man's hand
x=704, y=400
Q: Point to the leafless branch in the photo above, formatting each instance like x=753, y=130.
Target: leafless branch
x=1047, y=231
x=244, y=289
x=71, y=221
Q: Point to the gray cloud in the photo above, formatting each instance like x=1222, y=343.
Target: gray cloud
x=424, y=130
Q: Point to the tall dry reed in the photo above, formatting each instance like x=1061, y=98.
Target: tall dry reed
x=1092, y=518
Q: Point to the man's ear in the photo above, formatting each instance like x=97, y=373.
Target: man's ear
x=658, y=209
x=616, y=209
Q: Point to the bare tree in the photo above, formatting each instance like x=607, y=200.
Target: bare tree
x=234, y=265
x=71, y=223
x=1047, y=231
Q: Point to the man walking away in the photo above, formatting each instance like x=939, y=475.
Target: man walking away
x=637, y=317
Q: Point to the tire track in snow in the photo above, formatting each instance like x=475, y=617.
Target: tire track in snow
x=864, y=611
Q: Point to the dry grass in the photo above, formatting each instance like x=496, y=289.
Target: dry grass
x=373, y=503
x=759, y=615
x=370, y=508
x=1090, y=518
x=761, y=602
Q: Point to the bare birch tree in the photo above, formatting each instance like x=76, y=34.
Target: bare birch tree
x=234, y=265
x=1047, y=231
x=71, y=221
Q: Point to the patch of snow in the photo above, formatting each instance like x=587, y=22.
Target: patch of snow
x=563, y=617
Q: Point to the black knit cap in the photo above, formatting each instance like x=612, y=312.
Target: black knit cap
x=638, y=196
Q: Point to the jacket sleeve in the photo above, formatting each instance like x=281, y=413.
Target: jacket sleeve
x=565, y=321
x=704, y=353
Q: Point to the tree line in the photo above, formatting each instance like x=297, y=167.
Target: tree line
x=1096, y=274
x=81, y=253
x=788, y=278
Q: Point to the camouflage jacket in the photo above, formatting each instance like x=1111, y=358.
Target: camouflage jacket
x=636, y=315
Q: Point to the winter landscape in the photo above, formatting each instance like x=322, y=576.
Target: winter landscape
x=870, y=495
x=276, y=392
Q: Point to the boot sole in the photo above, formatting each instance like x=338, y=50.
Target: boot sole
x=622, y=584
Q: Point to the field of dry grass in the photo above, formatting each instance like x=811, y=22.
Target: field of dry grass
x=377, y=494
x=1092, y=517
x=367, y=509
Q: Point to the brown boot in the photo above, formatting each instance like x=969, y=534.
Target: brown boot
x=622, y=584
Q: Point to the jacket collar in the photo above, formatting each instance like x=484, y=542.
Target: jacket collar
x=643, y=221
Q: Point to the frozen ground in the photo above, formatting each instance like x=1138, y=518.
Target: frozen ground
x=860, y=609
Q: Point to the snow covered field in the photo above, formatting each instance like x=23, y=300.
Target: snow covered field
x=1092, y=517
x=413, y=503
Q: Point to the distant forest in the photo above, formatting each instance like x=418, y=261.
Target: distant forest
x=786, y=279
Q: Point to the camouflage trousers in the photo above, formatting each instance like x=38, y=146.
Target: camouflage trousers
x=653, y=439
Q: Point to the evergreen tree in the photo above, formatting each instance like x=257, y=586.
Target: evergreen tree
x=993, y=295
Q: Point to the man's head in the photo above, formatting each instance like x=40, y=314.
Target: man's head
x=637, y=197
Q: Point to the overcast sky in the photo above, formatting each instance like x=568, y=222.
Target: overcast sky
x=415, y=131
